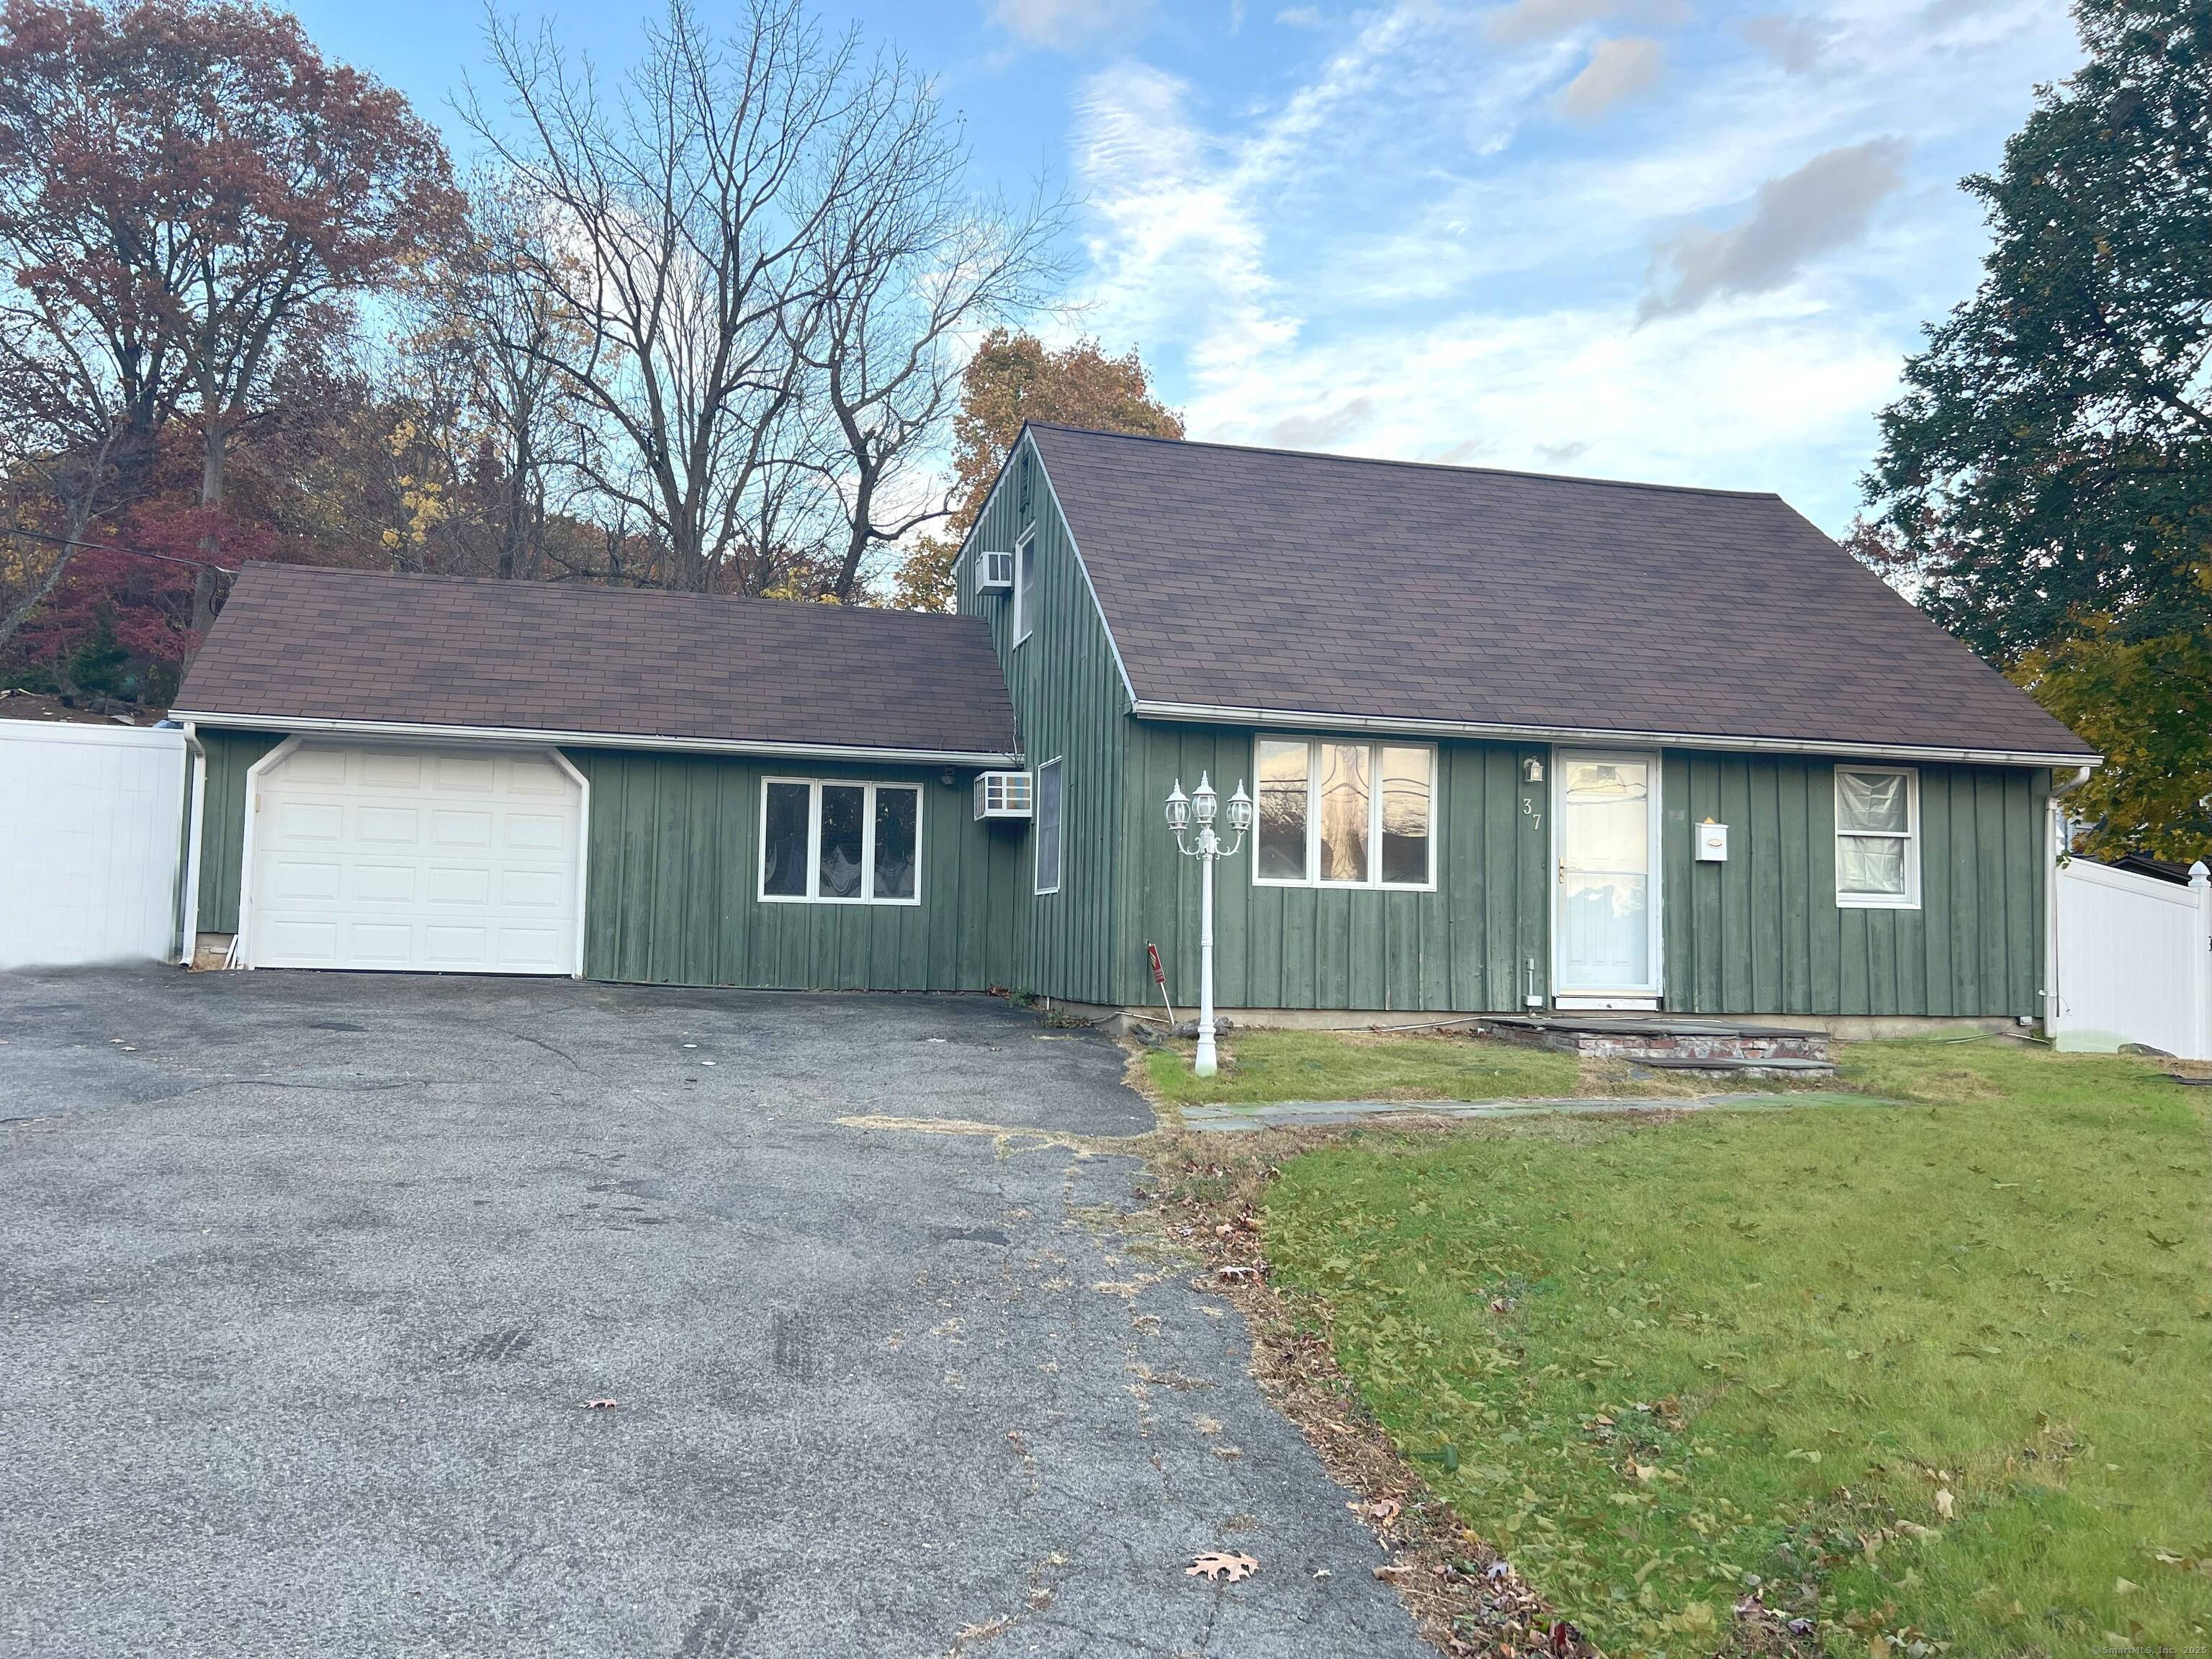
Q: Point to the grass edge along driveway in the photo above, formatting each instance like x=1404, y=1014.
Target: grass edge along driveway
x=1926, y=1378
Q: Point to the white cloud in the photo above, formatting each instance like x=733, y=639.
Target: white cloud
x=1322, y=431
x=1617, y=71
x=1408, y=254
x=1795, y=44
x=1299, y=18
x=1062, y=25
x=1543, y=20
x=1177, y=251
x=1822, y=206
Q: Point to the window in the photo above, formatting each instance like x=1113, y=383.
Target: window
x=840, y=843
x=1877, y=838
x=1024, y=588
x=1048, y=827
x=1344, y=814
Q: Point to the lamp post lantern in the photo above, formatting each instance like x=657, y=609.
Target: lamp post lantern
x=1203, y=806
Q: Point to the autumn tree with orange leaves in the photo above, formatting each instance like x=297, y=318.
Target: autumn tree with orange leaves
x=189, y=193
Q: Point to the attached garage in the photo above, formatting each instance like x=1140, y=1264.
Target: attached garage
x=409, y=858
x=447, y=774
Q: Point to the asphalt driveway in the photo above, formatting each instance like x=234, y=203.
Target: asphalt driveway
x=308, y=1281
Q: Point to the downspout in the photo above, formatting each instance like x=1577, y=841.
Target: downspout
x=2056, y=817
x=188, y=898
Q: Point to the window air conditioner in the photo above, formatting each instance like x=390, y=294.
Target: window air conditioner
x=1002, y=795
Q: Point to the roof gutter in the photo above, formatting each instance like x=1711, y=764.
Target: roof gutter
x=1212, y=714
x=534, y=735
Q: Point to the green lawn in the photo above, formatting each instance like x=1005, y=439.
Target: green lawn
x=1940, y=1372
x=1271, y=1066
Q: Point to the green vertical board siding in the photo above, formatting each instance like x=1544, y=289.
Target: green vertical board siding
x=671, y=892
x=1479, y=943
x=1069, y=700
x=230, y=755
x=1762, y=933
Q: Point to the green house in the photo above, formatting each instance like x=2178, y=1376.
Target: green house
x=1516, y=743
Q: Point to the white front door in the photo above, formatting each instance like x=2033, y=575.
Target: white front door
x=1607, y=926
x=447, y=860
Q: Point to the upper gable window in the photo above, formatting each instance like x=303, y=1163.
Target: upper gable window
x=1877, y=838
x=1344, y=814
x=1024, y=588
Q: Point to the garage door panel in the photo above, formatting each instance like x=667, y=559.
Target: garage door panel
x=308, y=878
x=310, y=766
x=524, y=951
x=381, y=944
x=447, y=888
x=384, y=884
x=295, y=943
x=388, y=826
x=371, y=857
x=535, y=832
x=522, y=778
x=451, y=828
x=532, y=890
x=396, y=769
x=300, y=821
x=467, y=774
x=446, y=945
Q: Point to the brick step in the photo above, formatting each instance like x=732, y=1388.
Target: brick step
x=1715, y=1064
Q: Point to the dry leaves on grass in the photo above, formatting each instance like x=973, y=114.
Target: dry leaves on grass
x=1466, y=1598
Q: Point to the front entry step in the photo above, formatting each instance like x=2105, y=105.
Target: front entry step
x=1686, y=1045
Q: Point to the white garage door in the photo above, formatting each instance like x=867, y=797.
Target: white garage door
x=425, y=861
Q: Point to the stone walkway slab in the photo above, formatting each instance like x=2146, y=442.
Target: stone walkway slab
x=1314, y=1114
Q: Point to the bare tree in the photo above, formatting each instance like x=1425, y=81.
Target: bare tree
x=909, y=267
x=505, y=332
x=677, y=214
x=773, y=264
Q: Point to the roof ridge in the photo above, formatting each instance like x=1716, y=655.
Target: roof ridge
x=1425, y=466
x=594, y=590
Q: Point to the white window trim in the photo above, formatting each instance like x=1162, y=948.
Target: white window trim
x=1024, y=551
x=1909, y=898
x=1059, y=832
x=813, y=895
x=1374, y=882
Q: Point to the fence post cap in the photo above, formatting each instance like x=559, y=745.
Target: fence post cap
x=2198, y=874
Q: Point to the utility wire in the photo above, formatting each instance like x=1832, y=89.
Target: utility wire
x=118, y=547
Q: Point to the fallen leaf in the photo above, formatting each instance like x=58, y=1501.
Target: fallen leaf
x=1217, y=1564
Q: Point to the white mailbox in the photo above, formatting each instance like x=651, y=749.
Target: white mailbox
x=1712, y=843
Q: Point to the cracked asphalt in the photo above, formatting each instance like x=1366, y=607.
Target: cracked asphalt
x=308, y=1281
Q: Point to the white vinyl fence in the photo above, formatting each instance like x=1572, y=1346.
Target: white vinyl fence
x=2132, y=960
x=92, y=843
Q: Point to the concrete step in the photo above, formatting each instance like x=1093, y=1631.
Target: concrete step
x=1659, y=1038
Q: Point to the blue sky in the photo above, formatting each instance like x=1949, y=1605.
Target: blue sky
x=1665, y=240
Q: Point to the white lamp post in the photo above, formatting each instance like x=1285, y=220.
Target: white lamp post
x=1201, y=805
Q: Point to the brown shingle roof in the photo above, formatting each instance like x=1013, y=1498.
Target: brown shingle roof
x=299, y=643
x=1258, y=578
